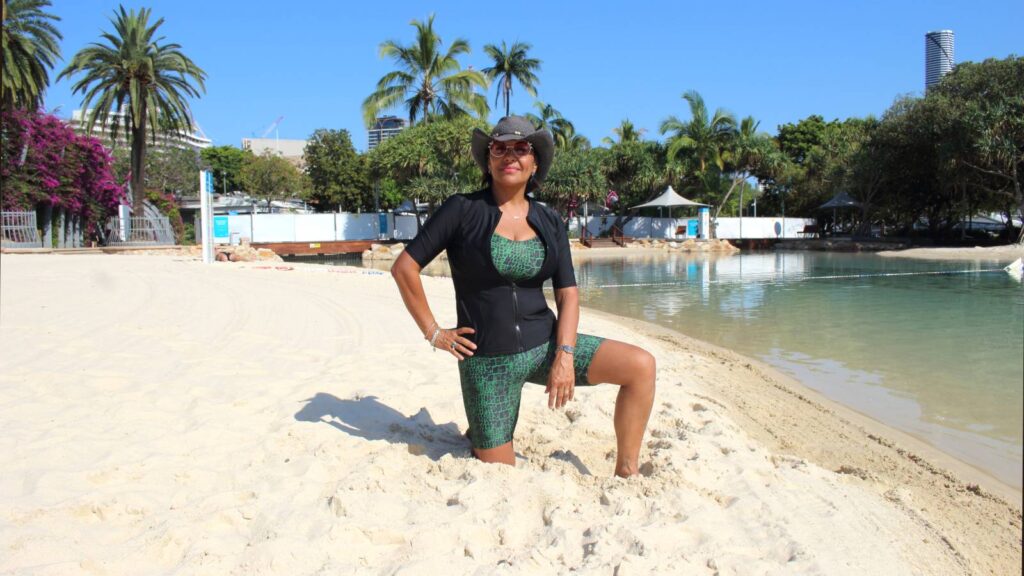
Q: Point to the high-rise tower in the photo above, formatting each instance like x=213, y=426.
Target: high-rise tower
x=938, y=56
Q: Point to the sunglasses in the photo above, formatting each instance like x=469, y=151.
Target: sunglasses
x=518, y=149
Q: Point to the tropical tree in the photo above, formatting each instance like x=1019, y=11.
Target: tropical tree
x=562, y=130
x=430, y=83
x=701, y=139
x=743, y=156
x=136, y=78
x=548, y=118
x=30, y=48
x=626, y=132
x=511, y=64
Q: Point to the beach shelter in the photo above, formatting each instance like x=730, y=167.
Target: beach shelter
x=841, y=200
x=668, y=199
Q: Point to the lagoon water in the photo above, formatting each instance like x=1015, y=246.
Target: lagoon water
x=918, y=345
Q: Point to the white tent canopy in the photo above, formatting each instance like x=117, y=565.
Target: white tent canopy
x=668, y=199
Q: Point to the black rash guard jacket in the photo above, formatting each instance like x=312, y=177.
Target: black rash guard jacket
x=508, y=317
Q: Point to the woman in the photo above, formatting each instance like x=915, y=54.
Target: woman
x=502, y=245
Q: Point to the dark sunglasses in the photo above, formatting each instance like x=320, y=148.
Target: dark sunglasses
x=519, y=149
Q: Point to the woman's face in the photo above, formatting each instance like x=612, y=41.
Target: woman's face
x=510, y=169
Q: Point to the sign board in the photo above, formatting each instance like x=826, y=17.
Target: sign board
x=209, y=181
x=220, y=227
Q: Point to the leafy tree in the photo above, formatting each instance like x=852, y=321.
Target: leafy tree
x=30, y=47
x=575, y=176
x=430, y=83
x=429, y=161
x=511, y=64
x=818, y=158
x=172, y=171
x=636, y=170
x=269, y=176
x=226, y=163
x=626, y=132
x=338, y=176
x=985, y=104
x=135, y=70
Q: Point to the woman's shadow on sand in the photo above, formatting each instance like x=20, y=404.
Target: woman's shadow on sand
x=368, y=418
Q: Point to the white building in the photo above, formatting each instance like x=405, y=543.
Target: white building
x=938, y=56
x=178, y=139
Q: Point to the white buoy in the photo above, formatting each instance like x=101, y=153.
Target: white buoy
x=1015, y=269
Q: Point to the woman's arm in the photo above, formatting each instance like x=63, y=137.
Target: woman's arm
x=568, y=302
x=562, y=377
x=406, y=273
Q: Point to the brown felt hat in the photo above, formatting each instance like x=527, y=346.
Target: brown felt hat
x=516, y=128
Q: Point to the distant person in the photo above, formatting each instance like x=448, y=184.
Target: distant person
x=502, y=245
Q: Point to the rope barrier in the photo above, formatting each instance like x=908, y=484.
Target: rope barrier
x=829, y=277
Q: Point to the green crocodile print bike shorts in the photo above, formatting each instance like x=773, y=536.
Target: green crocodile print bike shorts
x=492, y=386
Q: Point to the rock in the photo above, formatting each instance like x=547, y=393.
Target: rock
x=266, y=254
x=222, y=257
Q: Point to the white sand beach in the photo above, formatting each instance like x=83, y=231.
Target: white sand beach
x=162, y=416
x=1005, y=253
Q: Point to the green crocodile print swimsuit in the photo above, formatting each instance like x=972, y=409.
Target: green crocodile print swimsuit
x=492, y=386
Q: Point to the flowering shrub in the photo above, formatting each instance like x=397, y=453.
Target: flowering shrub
x=43, y=162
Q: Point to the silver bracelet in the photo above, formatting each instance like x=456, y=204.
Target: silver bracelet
x=437, y=330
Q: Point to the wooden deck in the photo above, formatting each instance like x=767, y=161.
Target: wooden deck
x=319, y=248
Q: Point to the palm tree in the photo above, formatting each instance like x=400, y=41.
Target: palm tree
x=511, y=64
x=430, y=83
x=744, y=154
x=29, y=49
x=626, y=132
x=701, y=138
x=141, y=81
x=562, y=130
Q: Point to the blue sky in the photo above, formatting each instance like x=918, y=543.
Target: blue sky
x=314, y=62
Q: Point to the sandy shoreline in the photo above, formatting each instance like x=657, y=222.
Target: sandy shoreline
x=1007, y=253
x=290, y=420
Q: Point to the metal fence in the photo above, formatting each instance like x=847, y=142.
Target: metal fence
x=137, y=231
x=18, y=230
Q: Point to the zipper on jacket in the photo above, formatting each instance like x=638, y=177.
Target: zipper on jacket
x=515, y=319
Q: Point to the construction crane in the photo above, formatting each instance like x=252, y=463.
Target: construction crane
x=273, y=128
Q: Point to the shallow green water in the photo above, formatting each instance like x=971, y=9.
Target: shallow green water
x=940, y=356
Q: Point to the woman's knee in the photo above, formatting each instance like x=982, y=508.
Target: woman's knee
x=644, y=366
